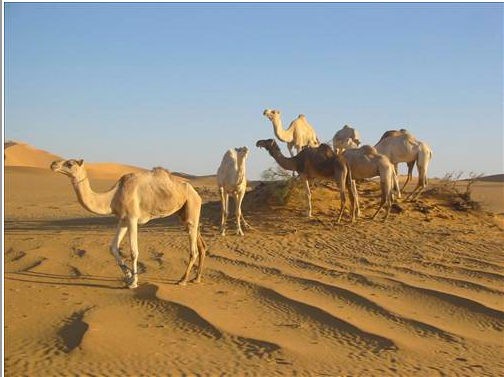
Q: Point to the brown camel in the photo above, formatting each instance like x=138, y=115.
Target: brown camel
x=135, y=199
x=310, y=163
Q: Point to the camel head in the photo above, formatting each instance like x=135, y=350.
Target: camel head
x=272, y=114
x=349, y=143
x=71, y=168
x=268, y=144
x=242, y=153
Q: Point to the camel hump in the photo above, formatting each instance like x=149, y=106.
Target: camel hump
x=326, y=150
x=369, y=150
x=391, y=133
x=158, y=170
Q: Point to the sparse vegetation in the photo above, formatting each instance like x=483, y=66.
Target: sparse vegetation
x=279, y=183
x=458, y=196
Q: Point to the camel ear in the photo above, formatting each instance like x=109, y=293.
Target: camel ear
x=80, y=162
x=277, y=112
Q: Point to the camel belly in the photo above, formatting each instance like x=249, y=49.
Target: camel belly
x=364, y=171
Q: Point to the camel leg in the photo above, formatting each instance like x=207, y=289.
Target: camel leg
x=308, y=197
x=413, y=195
x=356, y=213
x=411, y=165
x=133, y=234
x=422, y=183
x=246, y=224
x=201, y=259
x=341, y=179
x=192, y=229
x=224, y=200
x=389, y=205
x=356, y=196
x=239, y=216
x=382, y=203
x=114, y=248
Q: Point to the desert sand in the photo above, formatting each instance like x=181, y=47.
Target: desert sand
x=420, y=295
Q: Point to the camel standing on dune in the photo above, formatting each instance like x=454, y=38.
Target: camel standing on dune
x=340, y=138
x=366, y=162
x=299, y=134
x=402, y=146
x=231, y=180
x=312, y=162
x=135, y=199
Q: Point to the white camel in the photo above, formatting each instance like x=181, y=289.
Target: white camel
x=299, y=134
x=232, y=180
x=135, y=199
x=340, y=138
x=402, y=146
x=366, y=162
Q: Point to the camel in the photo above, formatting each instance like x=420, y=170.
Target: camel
x=299, y=134
x=366, y=162
x=135, y=199
x=310, y=163
x=231, y=180
x=342, y=135
x=402, y=146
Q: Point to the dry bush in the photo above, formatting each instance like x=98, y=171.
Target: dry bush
x=279, y=183
x=449, y=189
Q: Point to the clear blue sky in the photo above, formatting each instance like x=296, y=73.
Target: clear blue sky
x=176, y=85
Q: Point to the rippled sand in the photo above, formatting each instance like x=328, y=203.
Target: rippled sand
x=419, y=295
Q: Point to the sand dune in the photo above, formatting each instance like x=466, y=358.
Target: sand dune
x=21, y=154
x=421, y=295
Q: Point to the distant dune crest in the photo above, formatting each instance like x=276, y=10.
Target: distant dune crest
x=24, y=155
x=19, y=154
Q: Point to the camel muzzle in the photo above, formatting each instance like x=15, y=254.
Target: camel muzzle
x=55, y=166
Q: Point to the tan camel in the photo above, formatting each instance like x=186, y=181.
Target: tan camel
x=402, y=146
x=366, y=162
x=342, y=135
x=310, y=163
x=231, y=180
x=135, y=199
x=299, y=134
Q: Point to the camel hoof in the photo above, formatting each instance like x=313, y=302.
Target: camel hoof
x=133, y=285
x=240, y=233
x=182, y=283
x=196, y=280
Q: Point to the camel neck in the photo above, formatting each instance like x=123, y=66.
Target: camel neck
x=99, y=203
x=283, y=135
x=285, y=162
x=241, y=171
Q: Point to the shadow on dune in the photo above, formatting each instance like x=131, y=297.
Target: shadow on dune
x=90, y=281
x=210, y=215
x=81, y=223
